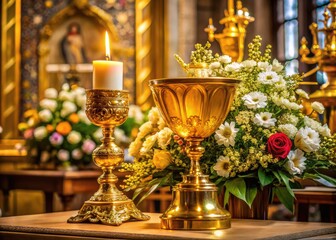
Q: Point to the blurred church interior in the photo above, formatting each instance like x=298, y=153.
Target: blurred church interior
x=46, y=43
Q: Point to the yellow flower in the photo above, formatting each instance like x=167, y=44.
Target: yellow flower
x=22, y=126
x=63, y=128
x=74, y=118
x=161, y=159
x=30, y=113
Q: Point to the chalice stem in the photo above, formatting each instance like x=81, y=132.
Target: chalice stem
x=108, y=138
x=195, y=152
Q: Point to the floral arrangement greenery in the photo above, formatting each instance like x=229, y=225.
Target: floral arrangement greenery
x=60, y=133
x=265, y=141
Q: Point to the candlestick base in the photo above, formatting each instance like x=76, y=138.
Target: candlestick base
x=107, y=108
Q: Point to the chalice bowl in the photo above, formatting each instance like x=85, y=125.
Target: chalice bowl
x=194, y=108
x=107, y=109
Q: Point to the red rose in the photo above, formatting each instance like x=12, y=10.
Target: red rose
x=279, y=145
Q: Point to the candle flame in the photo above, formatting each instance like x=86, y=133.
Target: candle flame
x=107, y=46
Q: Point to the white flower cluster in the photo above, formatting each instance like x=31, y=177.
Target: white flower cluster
x=273, y=102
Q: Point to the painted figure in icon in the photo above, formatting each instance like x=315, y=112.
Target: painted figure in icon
x=73, y=46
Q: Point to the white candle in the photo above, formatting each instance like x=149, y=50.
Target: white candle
x=107, y=74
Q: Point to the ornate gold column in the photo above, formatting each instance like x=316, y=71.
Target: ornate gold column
x=326, y=62
x=10, y=67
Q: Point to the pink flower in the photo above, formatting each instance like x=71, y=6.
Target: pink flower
x=88, y=146
x=56, y=139
x=28, y=133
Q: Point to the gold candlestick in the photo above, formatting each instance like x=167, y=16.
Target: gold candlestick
x=325, y=59
x=107, y=109
x=194, y=108
x=232, y=38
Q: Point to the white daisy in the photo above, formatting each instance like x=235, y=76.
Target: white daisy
x=226, y=134
x=223, y=167
x=296, y=162
x=307, y=139
x=255, y=100
x=268, y=77
x=264, y=119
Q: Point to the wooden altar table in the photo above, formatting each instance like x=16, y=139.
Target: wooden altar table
x=65, y=183
x=54, y=226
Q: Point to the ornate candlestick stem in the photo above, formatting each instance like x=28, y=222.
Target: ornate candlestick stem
x=195, y=152
x=107, y=109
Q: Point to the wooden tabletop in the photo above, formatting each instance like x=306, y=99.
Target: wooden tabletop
x=54, y=226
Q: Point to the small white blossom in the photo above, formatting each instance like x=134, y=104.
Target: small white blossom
x=296, y=162
x=324, y=130
x=154, y=115
x=264, y=119
x=318, y=107
x=302, y=93
x=66, y=96
x=223, y=167
x=74, y=137
x=264, y=66
x=268, y=77
x=289, y=129
x=50, y=93
x=40, y=133
x=164, y=137
x=136, y=113
x=309, y=122
x=226, y=134
x=67, y=108
x=276, y=66
x=225, y=59
x=145, y=129
x=83, y=118
x=148, y=144
x=233, y=67
x=48, y=104
x=215, y=65
x=249, y=64
x=255, y=100
x=45, y=115
x=307, y=139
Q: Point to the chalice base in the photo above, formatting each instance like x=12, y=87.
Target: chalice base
x=109, y=213
x=195, y=206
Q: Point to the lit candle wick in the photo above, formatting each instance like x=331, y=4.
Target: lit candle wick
x=107, y=46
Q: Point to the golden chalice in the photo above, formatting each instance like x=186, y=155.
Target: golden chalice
x=194, y=108
x=107, y=109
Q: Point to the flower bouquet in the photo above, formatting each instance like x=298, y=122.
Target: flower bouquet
x=265, y=142
x=59, y=131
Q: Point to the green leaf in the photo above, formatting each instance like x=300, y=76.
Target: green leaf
x=226, y=197
x=151, y=189
x=251, y=193
x=237, y=187
x=284, y=197
x=321, y=178
x=276, y=174
x=264, y=178
x=137, y=192
x=218, y=180
x=285, y=180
